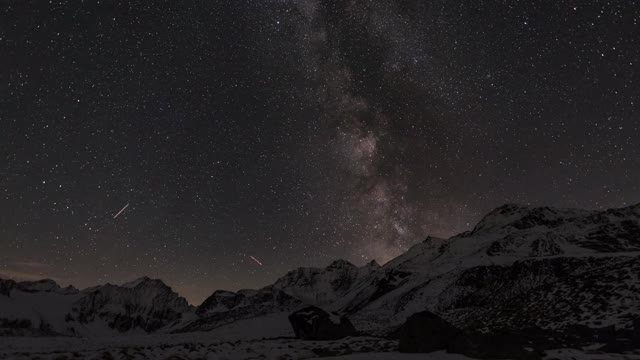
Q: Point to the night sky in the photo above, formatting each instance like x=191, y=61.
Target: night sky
x=298, y=131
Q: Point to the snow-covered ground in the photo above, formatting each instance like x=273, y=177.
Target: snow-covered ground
x=250, y=349
x=573, y=354
x=266, y=337
x=176, y=347
x=441, y=355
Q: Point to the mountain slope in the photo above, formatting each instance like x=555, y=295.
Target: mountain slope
x=514, y=254
x=225, y=307
x=324, y=286
x=145, y=304
x=34, y=308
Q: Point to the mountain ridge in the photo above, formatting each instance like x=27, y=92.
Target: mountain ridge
x=555, y=256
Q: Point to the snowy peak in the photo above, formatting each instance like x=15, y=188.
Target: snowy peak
x=219, y=301
x=372, y=265
x=44, y=286
x=223, y=307
x=523, y=217
x=44, y=308
x=340, y=264
x=136, y=282
x=543, y=231
x=305, y=285
x=368, y=268
x=147, y=284
x=319, y=286
x=145, y=304
x=222, y=301
x=143, y=291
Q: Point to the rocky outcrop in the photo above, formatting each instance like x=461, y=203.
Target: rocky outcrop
x=548, y=293
x=313, y=323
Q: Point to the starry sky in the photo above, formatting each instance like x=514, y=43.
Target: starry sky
x=298, y=131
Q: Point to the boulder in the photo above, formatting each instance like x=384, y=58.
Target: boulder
x=313, y=323
x=492, y=346
x=636, y=329
x=614, y=340
x=425, y=332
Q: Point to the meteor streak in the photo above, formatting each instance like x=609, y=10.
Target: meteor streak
x=120, y=212
x=256, y=260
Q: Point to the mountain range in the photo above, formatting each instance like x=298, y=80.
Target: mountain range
x=520, y=267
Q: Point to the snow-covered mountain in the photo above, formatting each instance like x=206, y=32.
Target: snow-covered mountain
x=317, y=286
x=43, y=307
x=224, y=307
x=520, y=267
x=324, y=286
x=145, y=304
x=34, y=307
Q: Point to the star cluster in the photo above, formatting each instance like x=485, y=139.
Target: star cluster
x=252, y=137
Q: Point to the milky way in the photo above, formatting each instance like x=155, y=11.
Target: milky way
x=298, y=131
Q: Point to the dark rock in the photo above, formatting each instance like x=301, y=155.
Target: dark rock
x=545, y=247
x=323, y=352
x=613, y=340
x=313, y=323
x=425, y=332
x=492, y=346
x=635, y=332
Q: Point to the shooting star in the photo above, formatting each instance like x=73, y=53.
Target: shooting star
x=120, y=212
x=256, y=260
